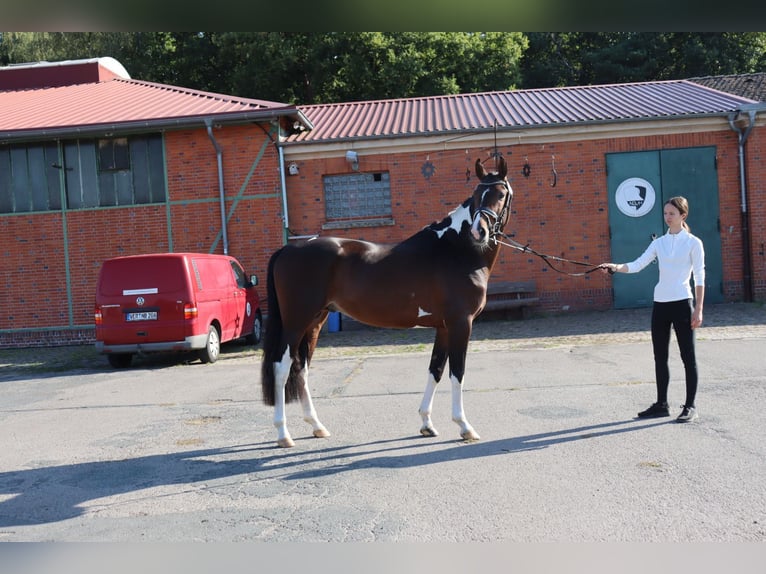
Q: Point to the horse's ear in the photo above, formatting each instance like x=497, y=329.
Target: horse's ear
x=480, y=171
x=502, y=168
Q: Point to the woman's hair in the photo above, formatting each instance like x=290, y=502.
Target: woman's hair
x=682, y=205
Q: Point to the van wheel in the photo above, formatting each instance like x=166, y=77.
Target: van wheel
x=209, y=354
x=255, y=337
x=120, y=360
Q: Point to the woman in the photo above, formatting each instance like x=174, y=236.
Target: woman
x=679, y=254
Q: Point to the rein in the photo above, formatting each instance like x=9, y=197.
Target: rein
x=547, y=258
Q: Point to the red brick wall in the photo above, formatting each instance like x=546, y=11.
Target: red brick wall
x=755, y=150
x=254, y=205
x=569, y=220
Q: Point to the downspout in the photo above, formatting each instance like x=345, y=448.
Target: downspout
x=283, y=185
x=747, y=264
x=221, y=194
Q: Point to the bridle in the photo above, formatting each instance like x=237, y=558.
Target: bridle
x=495, y=221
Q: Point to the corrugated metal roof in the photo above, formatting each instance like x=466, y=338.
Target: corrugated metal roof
x=514, y=109
x=751, y=86
x=121, y=102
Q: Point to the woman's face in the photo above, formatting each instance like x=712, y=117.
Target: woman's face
x=673, y=217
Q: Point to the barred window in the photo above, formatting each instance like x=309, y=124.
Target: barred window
x=357, y=196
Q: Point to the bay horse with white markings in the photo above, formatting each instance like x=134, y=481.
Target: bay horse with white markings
x=435, y=278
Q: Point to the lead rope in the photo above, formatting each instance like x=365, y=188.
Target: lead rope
x=547, y=258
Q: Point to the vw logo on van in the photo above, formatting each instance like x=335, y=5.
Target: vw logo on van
x=140, y=301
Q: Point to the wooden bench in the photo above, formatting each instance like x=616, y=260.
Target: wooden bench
x=504, y=295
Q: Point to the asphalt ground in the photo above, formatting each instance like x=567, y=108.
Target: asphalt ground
x=176, y=451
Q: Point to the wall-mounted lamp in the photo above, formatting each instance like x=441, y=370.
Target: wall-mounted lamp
x=292, y=169
x=353, y=158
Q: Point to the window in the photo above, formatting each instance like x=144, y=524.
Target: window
x=113, y=154
x=239, y=274
x=86, y=173
x=29, y=178
x=357, y=196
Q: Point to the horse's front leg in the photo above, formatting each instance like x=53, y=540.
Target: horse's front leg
x=459, y=335
x=435, y=371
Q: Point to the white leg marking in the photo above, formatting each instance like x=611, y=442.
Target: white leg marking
x=466, y=430
x=309, y=412
x=426, y=407
x=281, y=372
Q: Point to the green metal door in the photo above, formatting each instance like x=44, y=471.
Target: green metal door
x=692, y=173
x=637, y=179
x=635, y=216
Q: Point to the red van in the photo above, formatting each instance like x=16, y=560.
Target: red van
x=174, y=302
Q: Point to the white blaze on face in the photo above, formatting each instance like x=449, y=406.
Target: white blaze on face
x=477, y=219
x=422, y=313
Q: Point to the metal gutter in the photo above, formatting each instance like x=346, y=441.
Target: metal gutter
x=742, y=135
x=283, y=186
x=109, y=129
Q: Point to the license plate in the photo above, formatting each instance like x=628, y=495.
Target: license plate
x=143, y=316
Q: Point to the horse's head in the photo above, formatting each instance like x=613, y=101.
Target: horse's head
x=492, y=198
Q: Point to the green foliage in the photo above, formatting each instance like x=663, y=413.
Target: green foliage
x=326, y=67
x=588, y=58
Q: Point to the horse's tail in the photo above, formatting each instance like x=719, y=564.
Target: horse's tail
x=273, y=345
x=272, y=336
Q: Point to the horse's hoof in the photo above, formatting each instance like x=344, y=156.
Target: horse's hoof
x=470, y=435
x=321, y=433
x=429, y=431
x=285, y=442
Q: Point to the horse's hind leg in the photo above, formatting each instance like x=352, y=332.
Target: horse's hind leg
x=306, y=352
x=435, y=371
x=281, y=374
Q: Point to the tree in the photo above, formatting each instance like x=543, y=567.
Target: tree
x=587, y=58
x=325, y=67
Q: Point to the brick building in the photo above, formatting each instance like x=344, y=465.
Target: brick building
x=571, y=150
x=94, y=164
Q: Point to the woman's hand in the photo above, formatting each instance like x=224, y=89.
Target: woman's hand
x=696, y=318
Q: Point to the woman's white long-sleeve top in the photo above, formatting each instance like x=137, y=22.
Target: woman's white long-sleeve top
x=678, y=256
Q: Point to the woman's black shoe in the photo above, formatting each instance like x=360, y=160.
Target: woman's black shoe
x=656, y=410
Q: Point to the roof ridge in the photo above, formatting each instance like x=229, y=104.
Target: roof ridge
x=489, y=93
x=203, y=93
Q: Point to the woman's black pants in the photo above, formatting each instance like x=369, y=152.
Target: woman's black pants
x=679, y=315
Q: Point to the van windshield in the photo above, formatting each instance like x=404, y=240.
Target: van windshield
x=143, y=274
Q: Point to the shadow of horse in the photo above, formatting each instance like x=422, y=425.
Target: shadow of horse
x=56, y=493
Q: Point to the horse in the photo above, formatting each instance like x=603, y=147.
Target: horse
x=435, y=278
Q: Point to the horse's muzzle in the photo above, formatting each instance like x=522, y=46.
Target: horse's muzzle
x=480, y=232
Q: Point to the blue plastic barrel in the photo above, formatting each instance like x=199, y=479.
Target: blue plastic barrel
x=333, y=322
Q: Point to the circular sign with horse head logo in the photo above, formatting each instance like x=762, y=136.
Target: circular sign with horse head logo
x=635, y=197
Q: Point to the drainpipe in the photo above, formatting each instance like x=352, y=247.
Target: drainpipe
x=747, y=264
x=283, y=184
x=221, y=195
